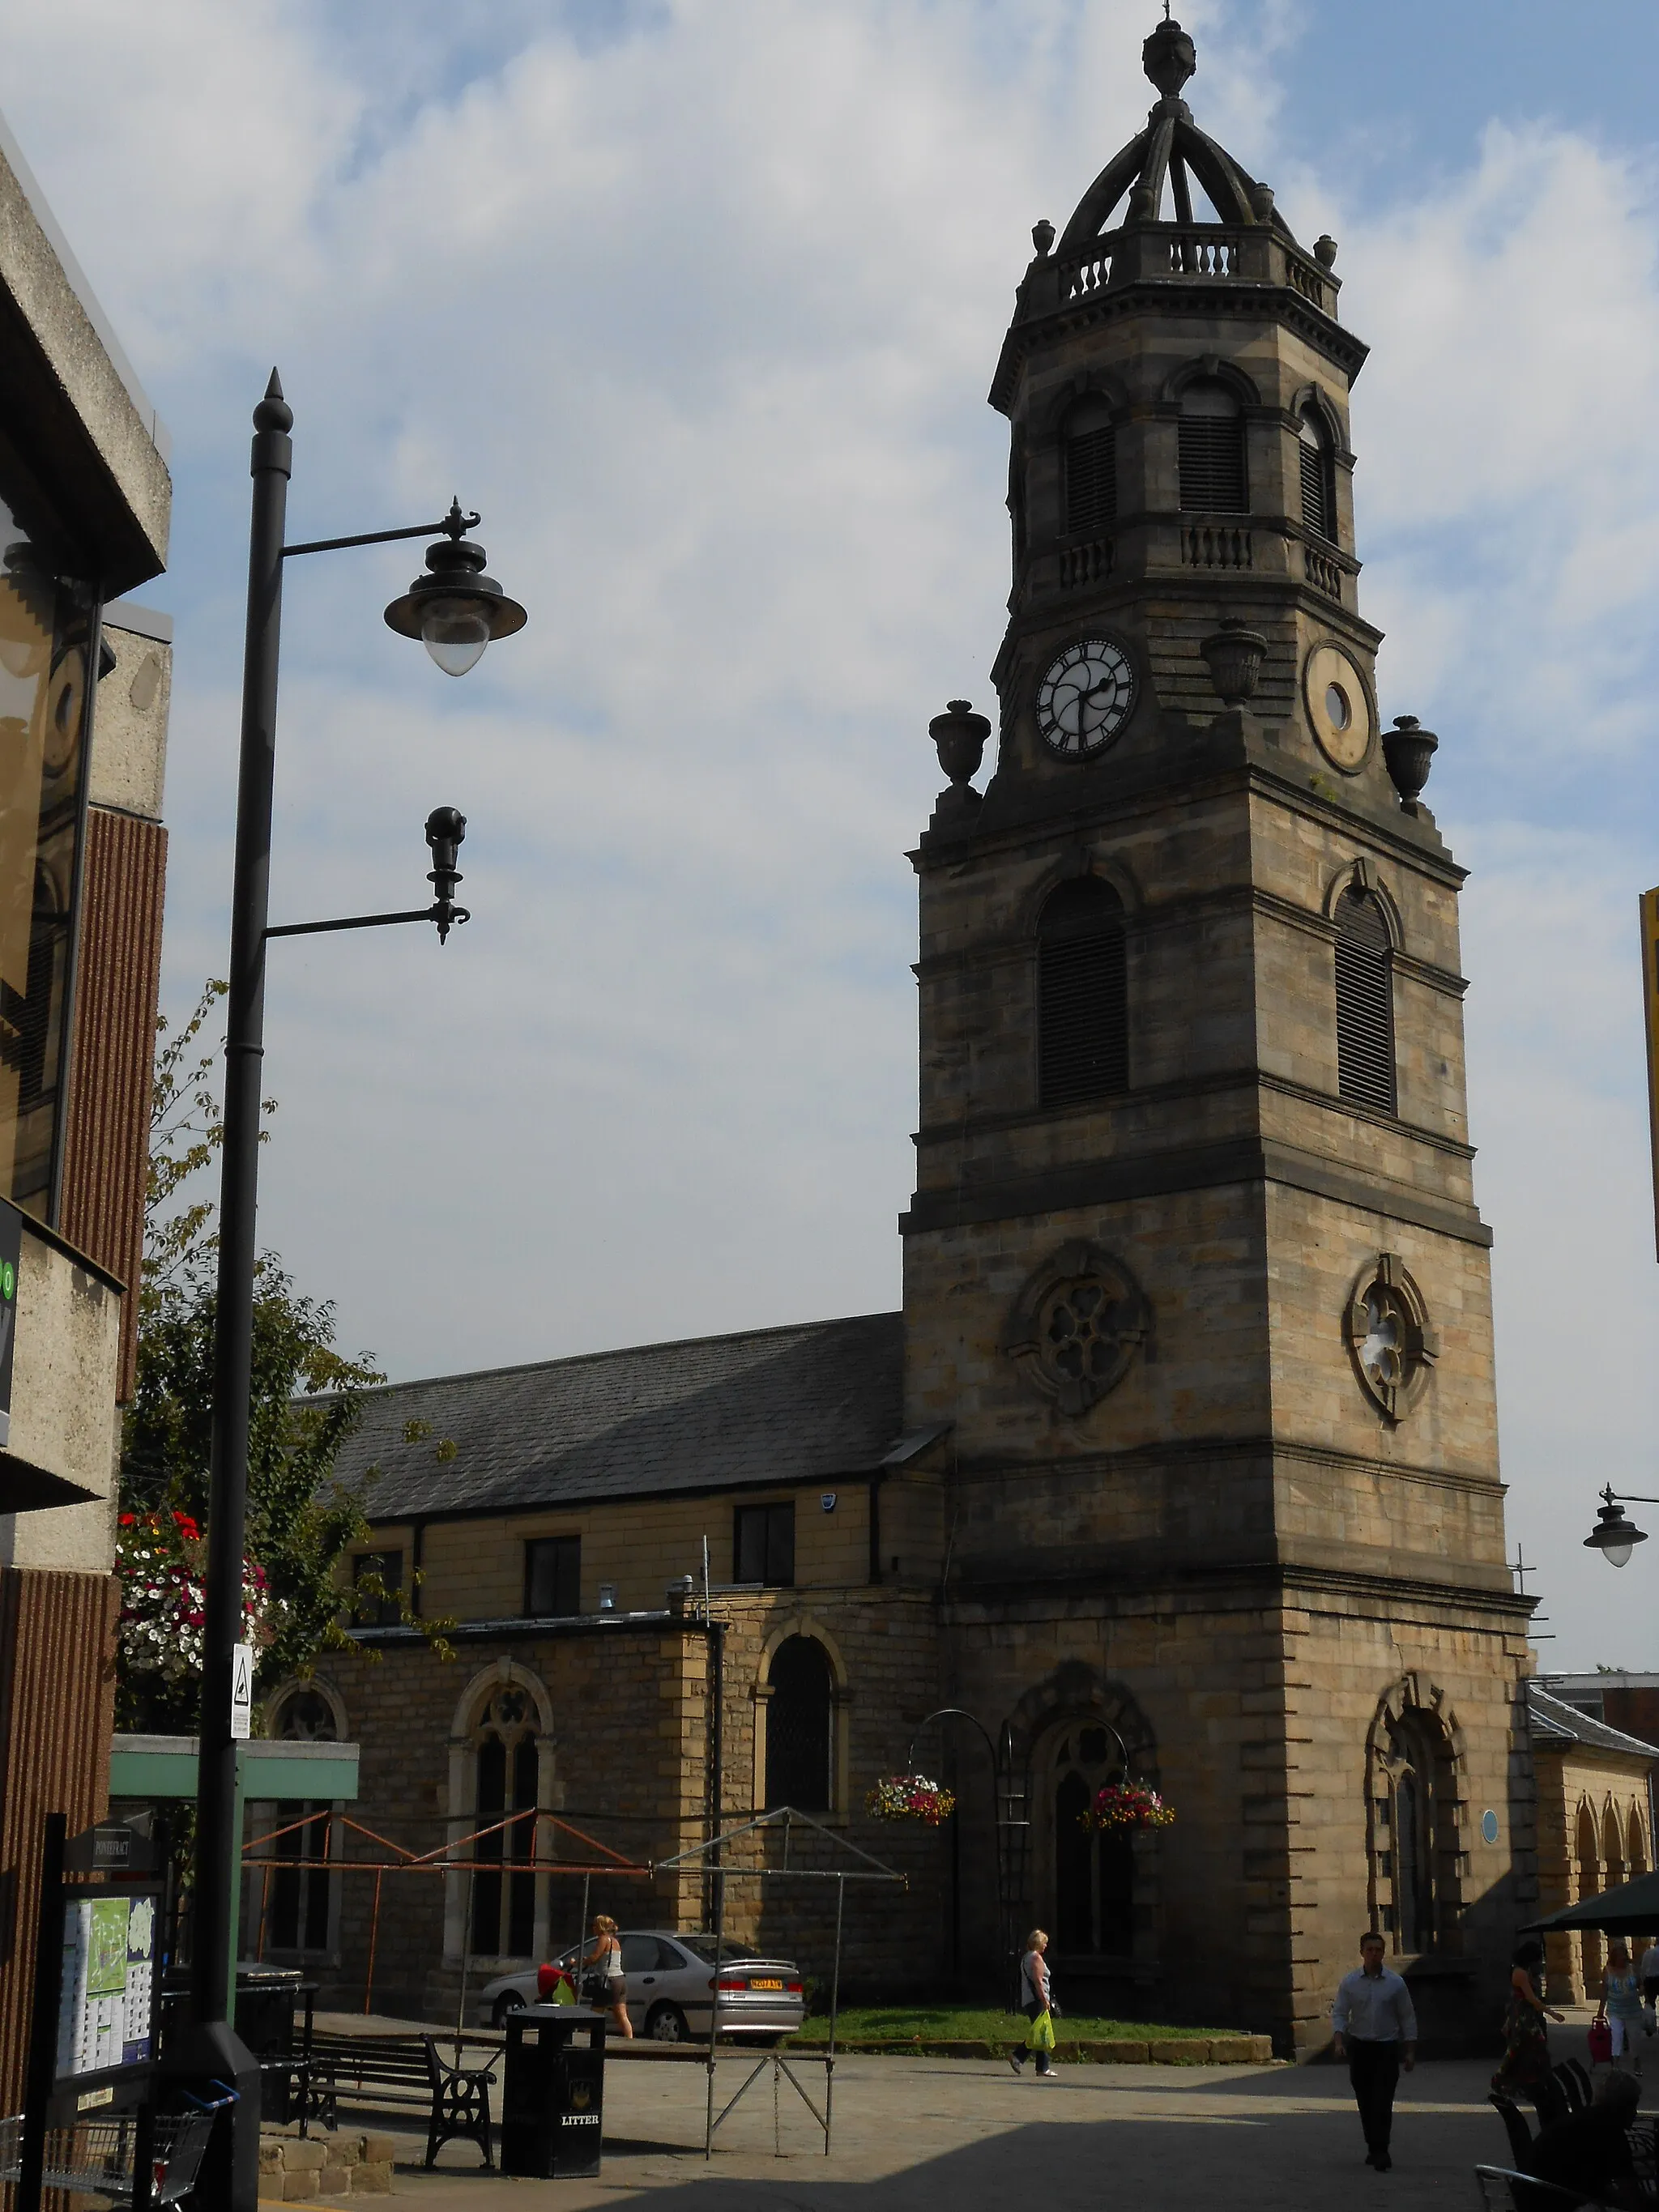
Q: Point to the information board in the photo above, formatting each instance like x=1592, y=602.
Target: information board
x=104, y=2014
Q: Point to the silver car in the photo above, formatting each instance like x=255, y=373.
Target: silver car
x=670, y=1981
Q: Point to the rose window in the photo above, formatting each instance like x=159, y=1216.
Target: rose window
x=1083, y=1331
x=1077, y=1326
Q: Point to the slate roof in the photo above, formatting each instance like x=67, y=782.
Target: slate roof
x=803, y=1404
x=1555, y=1721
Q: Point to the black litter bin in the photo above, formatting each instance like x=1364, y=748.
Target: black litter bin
x=266, y=2000
x=553, y=2098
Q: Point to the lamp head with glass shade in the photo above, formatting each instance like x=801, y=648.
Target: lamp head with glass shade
x=455, y=610
x=1613, y=1536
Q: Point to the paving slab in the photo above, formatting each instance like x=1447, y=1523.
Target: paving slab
x=966, y=2136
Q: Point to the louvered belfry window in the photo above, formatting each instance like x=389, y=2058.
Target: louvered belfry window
x=1318, y=485
x=1213, y=474
x=1364, y=1003
x=1083, y=995
x=1090, y=468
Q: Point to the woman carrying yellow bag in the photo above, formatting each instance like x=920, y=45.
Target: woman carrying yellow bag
x=1036, y=2001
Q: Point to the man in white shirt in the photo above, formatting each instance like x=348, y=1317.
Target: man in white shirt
x=1376, y=2031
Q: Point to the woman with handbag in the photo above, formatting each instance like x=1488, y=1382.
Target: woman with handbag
x=1526, y=2062
x=603, y=1986
x=1036, y=2003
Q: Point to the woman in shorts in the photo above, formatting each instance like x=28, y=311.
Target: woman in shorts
x=602, y=1975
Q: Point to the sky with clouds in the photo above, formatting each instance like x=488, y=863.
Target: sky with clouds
x=698, y=302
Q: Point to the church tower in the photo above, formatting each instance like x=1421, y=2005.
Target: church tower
x=1194, y=1269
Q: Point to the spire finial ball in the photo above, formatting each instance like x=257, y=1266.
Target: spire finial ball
x=1169, y=57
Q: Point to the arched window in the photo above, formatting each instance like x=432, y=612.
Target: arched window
x=1364, y=1003
x=507, y=1774
x=1090, y=468
x=1213, y=474
x=799, y=1726
x=1094, y=1869
x=1636, y=1855
x=1318, y=475
x=1613, y=1852
x=1420, y=1819
x=299, y=1901
x=1083, y=994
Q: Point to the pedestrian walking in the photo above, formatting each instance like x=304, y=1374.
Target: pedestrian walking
x=603, y=1985
x=1036, y=2003
x=1621, y=2005
x=1649, y=1971
x=1525, y=2065
x=1376, y=2031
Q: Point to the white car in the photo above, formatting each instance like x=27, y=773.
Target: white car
x=669, y=1981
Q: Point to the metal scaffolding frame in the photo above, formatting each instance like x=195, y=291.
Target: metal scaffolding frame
x=709, y=1856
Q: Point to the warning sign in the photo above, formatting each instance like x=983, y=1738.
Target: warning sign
x=241, y=1692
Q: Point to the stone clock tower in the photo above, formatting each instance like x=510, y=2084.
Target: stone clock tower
x=1193, y=1269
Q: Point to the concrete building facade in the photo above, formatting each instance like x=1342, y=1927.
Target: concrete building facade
x=85, y=682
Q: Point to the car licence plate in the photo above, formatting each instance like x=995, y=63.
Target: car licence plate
x=760, y=1982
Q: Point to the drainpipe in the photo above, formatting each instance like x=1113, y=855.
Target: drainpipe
x=875, y=1481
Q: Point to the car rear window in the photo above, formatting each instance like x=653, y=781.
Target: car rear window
x=702, y=1946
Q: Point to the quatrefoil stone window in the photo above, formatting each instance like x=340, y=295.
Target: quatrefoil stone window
x=1077, y=1325
x=1391, y=1340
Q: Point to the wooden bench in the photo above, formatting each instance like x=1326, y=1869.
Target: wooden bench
x=397, y=2070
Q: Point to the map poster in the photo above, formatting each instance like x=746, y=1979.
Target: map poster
x=109, y=1966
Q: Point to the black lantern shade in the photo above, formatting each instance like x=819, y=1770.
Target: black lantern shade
x=455, y=610
x=1613, y=1536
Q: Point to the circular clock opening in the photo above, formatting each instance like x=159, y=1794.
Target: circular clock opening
x=1337, y=706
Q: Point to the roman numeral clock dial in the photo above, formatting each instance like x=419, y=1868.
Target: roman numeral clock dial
x=1086, y=698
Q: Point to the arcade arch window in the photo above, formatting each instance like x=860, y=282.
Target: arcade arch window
x=1091, y=451
x=800, y=1727
x=1083, y=994
x=1213, y=479
x=1364, y=1003
x=1318, y=475
x=506, y=1776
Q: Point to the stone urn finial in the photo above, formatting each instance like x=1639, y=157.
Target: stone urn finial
x=1042, y=237
x=1235, y=654
x=1169, y=58
x=1409, y=750
x=960, y=735
x=1325, y=250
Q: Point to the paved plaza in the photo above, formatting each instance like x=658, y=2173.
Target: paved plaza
x=964, y=2135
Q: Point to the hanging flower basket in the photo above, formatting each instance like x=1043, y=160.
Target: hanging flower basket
x=910, y=1797
x=1127, y=1805
x=161, y=1558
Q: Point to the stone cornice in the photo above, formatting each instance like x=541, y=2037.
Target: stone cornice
x=1229, y=1449
x=1236, y=1161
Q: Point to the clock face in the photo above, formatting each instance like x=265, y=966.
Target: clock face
x=1086, y=698
x=1339, y=708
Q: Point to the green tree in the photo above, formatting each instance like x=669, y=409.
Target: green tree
x=306, y=1399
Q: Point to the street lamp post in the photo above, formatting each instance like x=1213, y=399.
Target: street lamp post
x=1613, y=1536
x=455, y=610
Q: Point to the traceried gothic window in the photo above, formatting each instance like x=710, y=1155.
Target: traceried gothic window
x=1213, y=479
x=800, y=1725
x=1090, y=456
x=1318, y=475
x=1094, y=1868
x=507, y=1771
x=1083, y=994
x=299, y=1898
x=1418, y=1834
x=1364, y=1003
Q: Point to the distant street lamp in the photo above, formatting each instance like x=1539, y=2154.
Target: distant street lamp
x=1613, y=1536
x=455, y=610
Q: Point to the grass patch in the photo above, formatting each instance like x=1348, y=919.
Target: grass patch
x=945, y=2023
